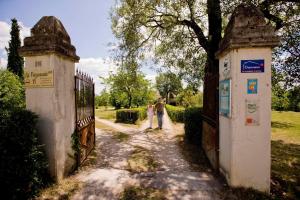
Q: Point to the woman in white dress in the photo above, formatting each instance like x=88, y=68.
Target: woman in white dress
x=150, y=113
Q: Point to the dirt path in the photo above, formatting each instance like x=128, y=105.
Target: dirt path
x=111, y=174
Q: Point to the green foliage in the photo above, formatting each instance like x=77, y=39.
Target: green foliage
x=280, y=103
x=102, y=99
x=193, y=125
x=15, y=62
x=11, y=92
x=24, y=167
x=286, y=99
x=131, y=115
x=75, y=143
x=175, y=113
x=189, y=98
x=128, y=88
x=294, y=99
x=168, y=83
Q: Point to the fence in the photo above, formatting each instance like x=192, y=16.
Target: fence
x=85, y=114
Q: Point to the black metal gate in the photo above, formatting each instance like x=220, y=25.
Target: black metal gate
x=85, y=114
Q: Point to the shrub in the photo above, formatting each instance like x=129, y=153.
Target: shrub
x=12, y=94
x=193, y=125
x=23, y=164
x=131, y=115
x=175, y=113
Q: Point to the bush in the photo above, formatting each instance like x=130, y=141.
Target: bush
x=23, y=164
x=12, y=95
x=193, y=125
x=280, y=103
x=175, y=113
x=131, y=115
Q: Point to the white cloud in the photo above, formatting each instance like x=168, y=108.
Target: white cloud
x=5, y=37
x=3, y=63
x=5, y=33
x=97, y=67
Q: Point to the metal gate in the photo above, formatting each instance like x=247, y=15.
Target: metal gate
x=85, y=114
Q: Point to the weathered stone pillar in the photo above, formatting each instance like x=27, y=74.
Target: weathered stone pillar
x=245, y=99
x=49, y=80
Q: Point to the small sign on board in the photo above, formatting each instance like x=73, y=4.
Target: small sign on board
x=252, y=113
x=224, y=89
x=38, y=78
x=252, y=66
x=252, y=86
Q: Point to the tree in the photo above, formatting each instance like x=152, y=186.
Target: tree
x=287, y=56
x=188, y=98
x=15, y=61
x=102, y=99
x=182, y=32
x=168, y=83
x=294, y=99
x=128, y=87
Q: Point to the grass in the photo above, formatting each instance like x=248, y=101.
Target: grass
x=285, y=155
x=62, y=190
x=285, y=166
x=141, y=160
x=106, y=113
x=121, y=137
x=141, y=193
x=286, y=126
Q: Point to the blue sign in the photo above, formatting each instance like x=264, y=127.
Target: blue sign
x=224, y=95
x=252, y=66
x=252, y=86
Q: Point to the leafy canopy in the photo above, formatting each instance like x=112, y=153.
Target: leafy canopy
x=184, y=34
x=167, y=83
x=128, y=87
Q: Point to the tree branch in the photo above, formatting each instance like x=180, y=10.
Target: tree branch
x=265, y=8
x=198, y=31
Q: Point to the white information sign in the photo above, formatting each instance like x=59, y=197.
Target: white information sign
x=252, y=113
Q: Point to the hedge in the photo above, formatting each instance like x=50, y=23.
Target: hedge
x=12, y=94
x=131, y=115
x=175, y=113
x=193, y=125
x=23, y=164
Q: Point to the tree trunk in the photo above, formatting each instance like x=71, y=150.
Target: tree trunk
x=129, y=101
x=167, y=98
x=211, y=79
x=211, y=84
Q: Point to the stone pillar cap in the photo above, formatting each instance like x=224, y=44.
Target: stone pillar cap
x=49, y=36
x=247, y=28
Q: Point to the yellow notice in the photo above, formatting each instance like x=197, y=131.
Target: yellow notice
x=38, y=78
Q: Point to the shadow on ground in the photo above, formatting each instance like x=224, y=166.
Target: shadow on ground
x=285, y=170
x=282, y=125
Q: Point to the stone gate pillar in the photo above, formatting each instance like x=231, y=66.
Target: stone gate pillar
x=49, y=80
x=245, y=99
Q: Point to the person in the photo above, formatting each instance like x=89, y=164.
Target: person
x=150, y=113
x=159, y=107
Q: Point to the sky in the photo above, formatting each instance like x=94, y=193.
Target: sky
x=86, y=21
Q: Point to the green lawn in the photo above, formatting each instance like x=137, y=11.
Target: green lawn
x=106, y=113
x=285, y=155
x=286, y=126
